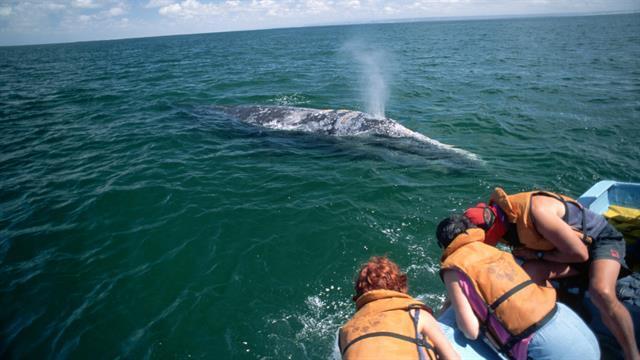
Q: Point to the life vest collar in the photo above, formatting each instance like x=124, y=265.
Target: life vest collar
x=378, y=294
x=469, y=236
x=385, y=327
x=501, y=198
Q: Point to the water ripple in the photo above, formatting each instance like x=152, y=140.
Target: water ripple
x=137, y=222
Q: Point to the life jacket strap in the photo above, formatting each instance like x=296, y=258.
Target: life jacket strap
x=510, y=293
x=420, y=306
x=416, y=320
x=506, y=347
x=535, y=327
x=418, y=342
x=513, y=340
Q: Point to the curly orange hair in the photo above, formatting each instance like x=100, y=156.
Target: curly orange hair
x=380, y=273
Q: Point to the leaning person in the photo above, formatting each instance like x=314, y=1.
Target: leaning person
x=494, y=298
x=557, y=236
x=388, y=323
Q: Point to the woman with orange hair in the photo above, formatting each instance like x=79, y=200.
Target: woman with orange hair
x=388, y=323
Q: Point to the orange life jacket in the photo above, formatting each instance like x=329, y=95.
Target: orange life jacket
x=517, y=209
x=507, y=302
x=384, y=328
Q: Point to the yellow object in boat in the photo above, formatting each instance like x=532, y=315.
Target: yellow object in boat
x=626, y=220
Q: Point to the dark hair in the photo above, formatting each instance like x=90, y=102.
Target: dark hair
x=451, y=227
x=380, y=273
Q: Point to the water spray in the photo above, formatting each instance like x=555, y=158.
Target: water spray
x=372, y=78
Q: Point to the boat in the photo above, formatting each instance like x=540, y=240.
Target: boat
x=601, y=198
x=467, y=349
x=619, y=202
x=607, y=192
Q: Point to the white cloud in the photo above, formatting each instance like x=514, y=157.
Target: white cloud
x=173, y=9
x=355, y=4
x=84, y=4
x=158, y=3
x=115, y=11
x=63, y=20
x=390, y=10
x=55, y=6
x=5, y=10
x=272, y=8
x=317, y=6
x=189, y=9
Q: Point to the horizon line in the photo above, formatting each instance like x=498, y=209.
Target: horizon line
x=363, y=22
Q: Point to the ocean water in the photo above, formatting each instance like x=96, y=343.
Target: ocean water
x=137, y=222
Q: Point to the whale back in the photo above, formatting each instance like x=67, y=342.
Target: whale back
x=334, y=123
x=327, y=122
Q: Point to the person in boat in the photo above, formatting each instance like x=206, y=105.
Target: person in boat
x=388, y=323
x=495, y=299
x=558, y=237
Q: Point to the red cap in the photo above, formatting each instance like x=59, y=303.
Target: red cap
x=490, y=219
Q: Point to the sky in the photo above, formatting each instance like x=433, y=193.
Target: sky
x=52, y=21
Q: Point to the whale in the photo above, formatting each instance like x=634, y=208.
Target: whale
x=333, y=122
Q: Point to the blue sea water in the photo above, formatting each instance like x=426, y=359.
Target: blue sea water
x=137, y=222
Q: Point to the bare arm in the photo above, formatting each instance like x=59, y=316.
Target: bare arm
x=547, y=214
x=430, y=329
x=541, y=271
x=465, y=318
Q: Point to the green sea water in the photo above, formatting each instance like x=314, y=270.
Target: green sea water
x=136, y=222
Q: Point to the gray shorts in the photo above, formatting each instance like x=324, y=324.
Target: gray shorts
x=609, y=244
